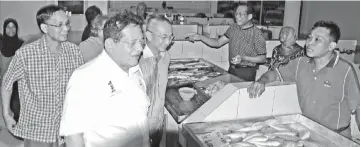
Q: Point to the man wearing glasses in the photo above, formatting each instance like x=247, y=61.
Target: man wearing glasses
x=42, y=69
x=247, y=47
x=111, y=109
x=154, y=64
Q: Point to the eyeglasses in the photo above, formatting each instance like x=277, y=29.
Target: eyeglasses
x=61, y=25
x=164, y=36
x=240, y=14
x=134, y=42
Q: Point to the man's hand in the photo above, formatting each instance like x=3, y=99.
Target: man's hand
x=193, y=37
x=9, y=121
x=236, y=60
x=256, y=89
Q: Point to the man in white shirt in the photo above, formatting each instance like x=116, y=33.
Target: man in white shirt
x=106, y=104
x=154, y=64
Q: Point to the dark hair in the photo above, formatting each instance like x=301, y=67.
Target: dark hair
x=6, y=23
x=249, y=6
x=114, y=26
x=160, y=18
x=46, y=12
x=10, y=44
x=97, y=24
x=335, y=32
x=91, y=12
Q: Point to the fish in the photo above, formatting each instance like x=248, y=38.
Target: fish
x=289, y=138
x=257, y=138
x=250, y=129
x=280, y=127
x=243, y=144
x=266, y=143
x=271, y=122
x=304, y=135
x=236, y=136
x=267, y=130
x=298, y=127
x=289, y=133
x=258, y=124
x=252, y=134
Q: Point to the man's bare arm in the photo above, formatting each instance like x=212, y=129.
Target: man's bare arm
x=214, y=42
x=75, y=140
x=357, y=117
x=268, y=77
x=256, y=59
x=257, y=88
x=5, y=97
x=209, y=41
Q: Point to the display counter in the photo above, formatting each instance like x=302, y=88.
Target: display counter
x=196, y=74
x=290, y=130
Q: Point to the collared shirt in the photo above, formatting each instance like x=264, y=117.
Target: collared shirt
x=42, y=79
x=91, y=48
x=245, y=42
x=329, y=95
x=155, y=69
x=107, y=104
x=280, y=57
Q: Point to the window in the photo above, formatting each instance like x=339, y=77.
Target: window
x=75, y=7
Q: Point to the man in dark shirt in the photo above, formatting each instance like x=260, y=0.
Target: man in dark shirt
x=287, y=50
x=247, y=47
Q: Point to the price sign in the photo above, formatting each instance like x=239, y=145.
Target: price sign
x=214, y=139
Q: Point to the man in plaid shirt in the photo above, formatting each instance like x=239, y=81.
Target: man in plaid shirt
x=42, y=69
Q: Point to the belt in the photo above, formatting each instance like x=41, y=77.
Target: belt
x=241, y=66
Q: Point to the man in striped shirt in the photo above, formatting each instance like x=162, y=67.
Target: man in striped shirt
x=42, y=69
x=327, y=85
x=247, y=47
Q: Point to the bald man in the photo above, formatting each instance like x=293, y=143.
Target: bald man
x=154, y=64
x=287, y=50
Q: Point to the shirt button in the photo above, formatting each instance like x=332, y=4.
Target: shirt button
x=314, y=101
x=313, y=70
x=315, y=78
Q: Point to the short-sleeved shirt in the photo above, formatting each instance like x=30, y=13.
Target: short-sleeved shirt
x=281, y=57
x=245, y=42
x=42, y=79
x=329, y=95
x=91, y=48
x=155, y=70
x=106, y=104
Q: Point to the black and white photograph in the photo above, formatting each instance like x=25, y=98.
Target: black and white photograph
x=173, y=73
